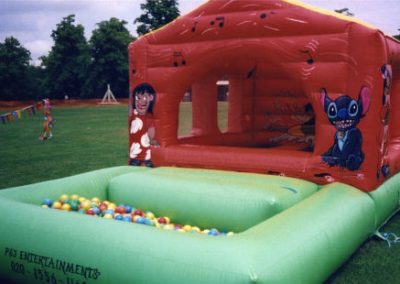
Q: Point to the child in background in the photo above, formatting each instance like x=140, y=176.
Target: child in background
x=141, y=126
x=48, y=123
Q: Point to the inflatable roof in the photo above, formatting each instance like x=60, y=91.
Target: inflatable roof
x=312, y=94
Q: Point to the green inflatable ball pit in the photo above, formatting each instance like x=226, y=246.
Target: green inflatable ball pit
x=286, y=230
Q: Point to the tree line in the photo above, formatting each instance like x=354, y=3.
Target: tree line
x=76, y=67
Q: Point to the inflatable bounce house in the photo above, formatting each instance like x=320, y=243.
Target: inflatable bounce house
x=306, y=171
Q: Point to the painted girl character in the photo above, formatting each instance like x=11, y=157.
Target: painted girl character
x=141, y=126
x=48, y=121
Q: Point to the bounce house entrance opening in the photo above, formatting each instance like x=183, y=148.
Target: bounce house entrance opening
x=248, y=112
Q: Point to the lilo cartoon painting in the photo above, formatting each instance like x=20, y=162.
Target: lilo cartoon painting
x=141, y=127
x=344, y=114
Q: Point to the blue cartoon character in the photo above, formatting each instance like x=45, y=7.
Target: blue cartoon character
x=344, y=114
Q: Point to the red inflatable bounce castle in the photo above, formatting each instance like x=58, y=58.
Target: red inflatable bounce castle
x=312, y=94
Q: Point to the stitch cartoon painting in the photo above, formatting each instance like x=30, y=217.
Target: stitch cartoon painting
x=344, y=114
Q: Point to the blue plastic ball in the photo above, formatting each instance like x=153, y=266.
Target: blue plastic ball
x=140, y=220
x=119, y=217
x=109, y=211
x=128, y=209
x=127, y=219
x=147, y=221
x=213, y=232
x=96, y=210
x=47, y=202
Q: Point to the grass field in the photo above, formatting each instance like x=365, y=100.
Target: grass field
x=90, y=138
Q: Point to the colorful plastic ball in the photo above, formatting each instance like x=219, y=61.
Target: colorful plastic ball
x=95, y=200
x=163, y=220
x=74, y=197
x=147, y=221
x=112, y=206
x=195, y=229
x=149, y=215
x=168, y=227
x=108, y=216
x=74, y=206
x=64, y=197
x=81, y=199
x=90, y=212
x=178, y=226
x=120, y=209
x=45, y=206
x=102, y=207
x=66, y=207
x=109, y=211
x=127, y=219
x=86, y=205
x=47, y=202
x=96, y=210
x=128, y=209
x=187, y=228
x=119, y=217
x=213, y=232
x=138, y=212
x=57, y=205
x=230, y=234
x=140, y=220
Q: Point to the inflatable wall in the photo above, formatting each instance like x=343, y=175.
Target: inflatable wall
x=312, y=94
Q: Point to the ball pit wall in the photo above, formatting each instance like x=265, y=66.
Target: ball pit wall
x=303, y=244
x=210, y=199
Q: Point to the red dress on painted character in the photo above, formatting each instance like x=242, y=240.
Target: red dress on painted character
x=139, y=140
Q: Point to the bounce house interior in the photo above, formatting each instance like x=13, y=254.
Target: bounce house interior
x=305, y=171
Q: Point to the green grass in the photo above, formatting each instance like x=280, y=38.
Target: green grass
x=89, y=138
x=84, y=139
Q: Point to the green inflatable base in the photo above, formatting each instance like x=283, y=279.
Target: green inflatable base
x=286, y=230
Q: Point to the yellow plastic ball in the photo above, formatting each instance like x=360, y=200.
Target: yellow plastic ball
x=168, y=227
x=45, y=206
x=230, y=234
x=195, y=229
x=64, y=197
x=57, y=205
x=96, y=200
x=66, y=207
x=150, y=215
x=86, y=205
x=108, y=216
x=112, y=206
x=81, y=199
x=74, y=197
x=187, y=228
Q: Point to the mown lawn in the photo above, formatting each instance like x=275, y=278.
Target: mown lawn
x=90, y=138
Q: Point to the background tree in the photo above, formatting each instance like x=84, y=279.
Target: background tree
x=397, y=36
x=66, y=64
x=156, y=13
x=14, y=71
x=109, y=59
